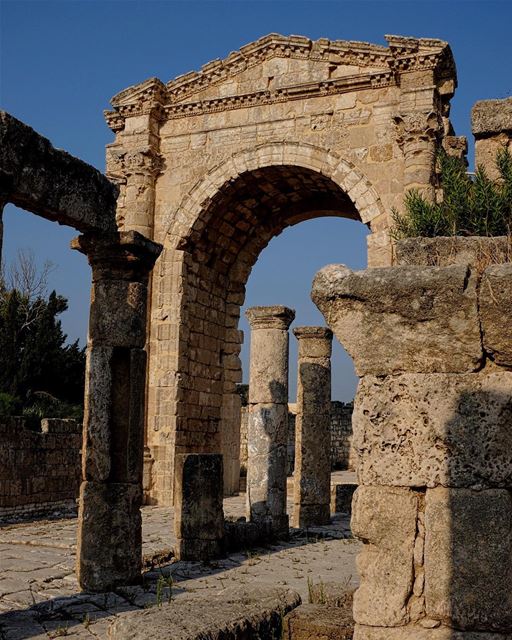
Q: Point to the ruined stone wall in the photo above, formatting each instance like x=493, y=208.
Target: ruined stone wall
x=39, y=470
x=343, y=455
x=342, y=452
x=432, y=413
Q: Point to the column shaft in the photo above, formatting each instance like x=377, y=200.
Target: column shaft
x=268, y=416
x=312, y=476
x=109, y=530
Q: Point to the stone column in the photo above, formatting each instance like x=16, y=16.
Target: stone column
x=312, y=475
x=109, y=549
x=268, y=416
x=199, y=515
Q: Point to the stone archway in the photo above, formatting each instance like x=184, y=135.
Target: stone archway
x=228, y=225
x=366, y=118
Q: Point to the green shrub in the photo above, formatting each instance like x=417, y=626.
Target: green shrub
x=475, y=206
x=9, y=405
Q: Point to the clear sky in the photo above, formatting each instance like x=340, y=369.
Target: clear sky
x=61, y=61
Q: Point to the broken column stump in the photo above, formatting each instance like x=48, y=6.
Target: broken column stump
x=432, y=433
x=268, y=417
x=312, y=474
x=199, y=516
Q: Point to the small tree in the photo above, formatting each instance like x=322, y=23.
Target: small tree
x=36, y=364
x=475, y=206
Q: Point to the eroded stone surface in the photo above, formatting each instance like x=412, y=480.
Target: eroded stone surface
x=435, y=429
x=468, y=558
x=385, y=519
x=405, y=319
x=318, y=622
x=419, y=633
x=199, y=519
x=256, y=612
x=495, y=309
x=312, y=427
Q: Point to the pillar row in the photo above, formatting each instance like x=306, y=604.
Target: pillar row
x=312, y=476
x=109, y=549
x=268, y=416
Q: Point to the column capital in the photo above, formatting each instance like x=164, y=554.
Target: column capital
x=316, y=333
x=124, y=255
x=271, y=317
x=417, y=126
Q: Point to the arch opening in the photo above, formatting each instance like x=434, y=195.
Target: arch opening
x=223, y=245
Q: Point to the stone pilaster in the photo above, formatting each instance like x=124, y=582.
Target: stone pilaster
x=268, y=415
x=109, y=549
x=417, y=135
x=312, y=476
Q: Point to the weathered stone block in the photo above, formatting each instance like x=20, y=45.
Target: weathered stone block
x=495, y=310
x=114, y=418
x=199, y=516
x=341, y=497
x=491, y=116
x=414, y=632
x=468, y=558
x=318, y=622
x=109, y=549
x=125, y=323
x=434, y=429
x=385, y=519
x=333, y=594
x=404, y=319
x=252, y=613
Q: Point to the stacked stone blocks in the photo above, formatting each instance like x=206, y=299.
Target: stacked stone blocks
x=432, y=431
x=39, y=469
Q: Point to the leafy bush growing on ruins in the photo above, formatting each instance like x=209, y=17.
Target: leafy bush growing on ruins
x=470, y=206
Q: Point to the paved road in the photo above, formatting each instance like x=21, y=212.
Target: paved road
x=39, y=596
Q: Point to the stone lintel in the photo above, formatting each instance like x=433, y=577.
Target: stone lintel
x=52, y=183
x=271, y=317
x=489, y=117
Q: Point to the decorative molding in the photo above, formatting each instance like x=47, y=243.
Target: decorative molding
x=168, y=101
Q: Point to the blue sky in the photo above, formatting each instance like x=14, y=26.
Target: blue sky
x=60, y=62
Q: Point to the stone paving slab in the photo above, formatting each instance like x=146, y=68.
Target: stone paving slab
x=39, y=596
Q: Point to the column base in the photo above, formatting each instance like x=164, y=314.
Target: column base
x=199, y=550
x=109, y=547
x=311, y=515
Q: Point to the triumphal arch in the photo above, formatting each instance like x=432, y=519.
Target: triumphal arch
x=215, y=163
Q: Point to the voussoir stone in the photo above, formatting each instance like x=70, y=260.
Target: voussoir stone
x=385, y=519
x=435, y=429
x=496, y=311
x=403, y=319
x=254, y=613
x=468, y=558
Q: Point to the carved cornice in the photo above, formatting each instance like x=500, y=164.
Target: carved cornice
x=417, y=126
x=170, y=100
x=283, y=94
x=124, y=163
